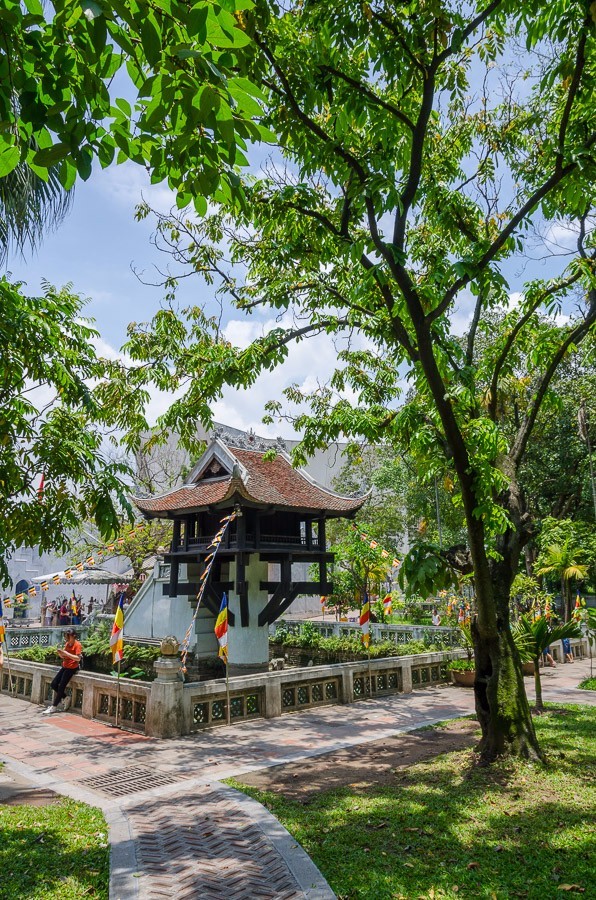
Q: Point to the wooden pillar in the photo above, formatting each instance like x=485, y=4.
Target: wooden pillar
x=322, y=550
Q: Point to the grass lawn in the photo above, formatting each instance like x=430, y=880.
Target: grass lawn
x=55, y=852
x=447, y=829
x=588, y=684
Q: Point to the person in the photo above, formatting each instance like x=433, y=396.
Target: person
x=567, y=651
x=436, y=618
x=50, y=610
x=64, y=616
x=461, y=616
x=90, y=606
x=71, y=660
x=77, y=610
x=546, y=655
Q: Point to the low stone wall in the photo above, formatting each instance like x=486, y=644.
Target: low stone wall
x=274, y=693
x=166, y=707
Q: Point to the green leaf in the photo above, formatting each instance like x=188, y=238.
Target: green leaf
x=9, y=159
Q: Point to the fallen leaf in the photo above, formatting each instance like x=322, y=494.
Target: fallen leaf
x=572, y=887
x=498, y=849
x=409, y=865
x=473, y=865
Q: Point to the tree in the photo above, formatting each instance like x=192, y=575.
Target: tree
x=533, y=637
x=54, y=468
x=561, y=560
x=403, y=192
x=192, y=111
x=136, y=543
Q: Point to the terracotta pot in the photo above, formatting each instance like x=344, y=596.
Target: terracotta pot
x=465, y=679
x=528, y=668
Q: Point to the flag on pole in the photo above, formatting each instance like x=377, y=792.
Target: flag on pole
x=221, y=629
x=388, y=605
x=117, y=636
x=42, y=482
x=365, y=621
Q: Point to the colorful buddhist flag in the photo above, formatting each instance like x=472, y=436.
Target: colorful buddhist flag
x=365, y=621
x=56, y=579
x=90, y=561
x=221, y=629
x=117, y=636
x=42, y=482
x=44, y=586
x=374, y=545
x=79, y=567
x=140, y=527
x=396, y=563
x=19, y=598
x=384, y=554
x=110, y=547
x=68, y=572
x=2, y=634
x=32, y=592
x=388, y=605
x=120, y=541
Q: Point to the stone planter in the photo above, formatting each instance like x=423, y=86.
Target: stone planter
x=465, y=679
x=528, y=668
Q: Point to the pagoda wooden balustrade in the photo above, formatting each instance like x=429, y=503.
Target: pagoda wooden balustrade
x=266, y=540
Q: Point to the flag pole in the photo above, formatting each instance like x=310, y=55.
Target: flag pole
x=118, y=696
x=11, y=680
x=229, y=712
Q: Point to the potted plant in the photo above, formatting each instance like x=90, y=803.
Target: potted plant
x=463, y=671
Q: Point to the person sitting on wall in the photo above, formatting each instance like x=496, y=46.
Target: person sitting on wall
x=71, y=659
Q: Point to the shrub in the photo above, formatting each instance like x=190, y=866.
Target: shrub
x=462, y=665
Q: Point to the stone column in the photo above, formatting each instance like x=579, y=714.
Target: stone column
x=248, y=647
x=165, y=713
x=406, y=677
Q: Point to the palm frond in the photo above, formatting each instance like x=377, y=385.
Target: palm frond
x=29, y=207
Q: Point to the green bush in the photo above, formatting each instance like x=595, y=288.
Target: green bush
x=38, y=654
x=310, y=639
x=462, y=665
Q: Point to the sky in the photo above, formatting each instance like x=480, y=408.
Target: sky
x=99, y=243
x=95, y=250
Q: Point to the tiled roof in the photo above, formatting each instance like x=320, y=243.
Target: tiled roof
x=272, y=482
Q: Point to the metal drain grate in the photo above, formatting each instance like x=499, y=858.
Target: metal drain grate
x=129, y=781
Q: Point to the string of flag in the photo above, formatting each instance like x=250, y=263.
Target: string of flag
x=67, y=573
x=374, y=545
x=209, y=560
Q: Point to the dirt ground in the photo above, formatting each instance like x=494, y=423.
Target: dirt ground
x=359, y=767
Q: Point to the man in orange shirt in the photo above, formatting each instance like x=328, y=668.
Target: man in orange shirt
x=71, y=658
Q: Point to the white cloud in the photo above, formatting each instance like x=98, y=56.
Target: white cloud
x=128, y=183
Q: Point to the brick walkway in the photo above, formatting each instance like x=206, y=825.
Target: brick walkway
x=175, y=830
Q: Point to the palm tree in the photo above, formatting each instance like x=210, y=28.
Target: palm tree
x=533, y=637
x=561, y=561
x=29, y=206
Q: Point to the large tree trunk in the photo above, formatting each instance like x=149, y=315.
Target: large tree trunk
x=501, y=703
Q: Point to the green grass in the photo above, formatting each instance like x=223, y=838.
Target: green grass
x=56, y=852
x=588, y=684
x=447, y=829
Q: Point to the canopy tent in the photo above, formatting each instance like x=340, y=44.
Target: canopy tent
x=89, y=576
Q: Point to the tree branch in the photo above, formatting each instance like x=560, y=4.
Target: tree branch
x=370, y=95
x=575, y=336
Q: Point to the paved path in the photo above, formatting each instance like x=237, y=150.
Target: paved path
x=175, y=830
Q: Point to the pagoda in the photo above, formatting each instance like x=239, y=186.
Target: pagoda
x=281, y=514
